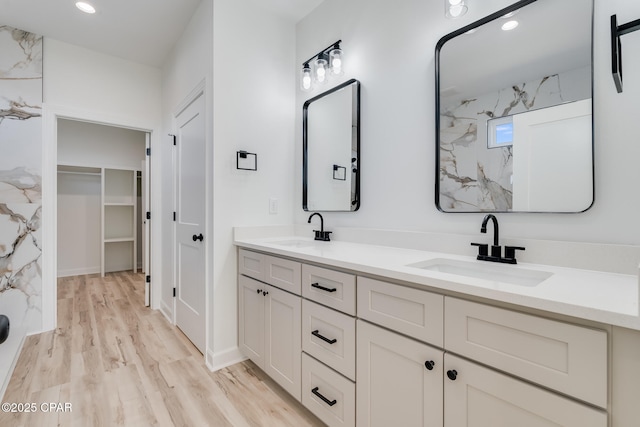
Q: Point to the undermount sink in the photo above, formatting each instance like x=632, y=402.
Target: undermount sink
x=485, y=271
x=294, y=243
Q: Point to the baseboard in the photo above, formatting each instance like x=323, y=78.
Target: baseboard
x=166, y=311
x=78, y=271
x=217, y=361
x=9, y=352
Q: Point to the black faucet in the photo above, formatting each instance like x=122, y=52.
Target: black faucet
x=496, y=249
x=320, y=234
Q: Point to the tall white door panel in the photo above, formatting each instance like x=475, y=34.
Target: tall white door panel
x=190, y=222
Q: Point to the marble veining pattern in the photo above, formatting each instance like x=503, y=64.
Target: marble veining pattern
x=473, y=177
x=20, y=177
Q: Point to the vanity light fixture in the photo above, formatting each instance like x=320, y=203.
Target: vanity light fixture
x=455, y=8
x=509, y=25
x=85, y=7
x=328, y=61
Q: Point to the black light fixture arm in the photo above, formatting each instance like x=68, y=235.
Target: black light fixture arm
x=616, y=47
x=323, y=52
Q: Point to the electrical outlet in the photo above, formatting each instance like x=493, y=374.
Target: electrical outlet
x=273, y=206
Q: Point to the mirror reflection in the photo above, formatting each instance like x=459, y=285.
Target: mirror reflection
x=331, y=143
x=514, y=113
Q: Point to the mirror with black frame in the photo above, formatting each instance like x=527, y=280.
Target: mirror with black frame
x=514, y=122
x=331, y=149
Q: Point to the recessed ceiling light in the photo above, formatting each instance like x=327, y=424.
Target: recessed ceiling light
x=85, y=7
x=509, y=25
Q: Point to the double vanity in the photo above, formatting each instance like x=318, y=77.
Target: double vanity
x=373, y=335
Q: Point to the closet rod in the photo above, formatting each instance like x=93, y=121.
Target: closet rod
x=81, y=173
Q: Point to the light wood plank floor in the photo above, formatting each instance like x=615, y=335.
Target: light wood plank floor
x=120, y=364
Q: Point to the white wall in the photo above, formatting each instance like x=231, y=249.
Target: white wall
x=90, y=144
x=90, y=86
x=254, y=89
x=389, y=47
x=79, y=211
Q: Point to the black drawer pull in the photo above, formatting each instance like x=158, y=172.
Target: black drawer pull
x=324, y=399
x=322, y=288
x=316, y=333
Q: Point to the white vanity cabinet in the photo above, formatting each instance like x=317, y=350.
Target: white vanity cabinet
x=269, y=331
x=361, y=351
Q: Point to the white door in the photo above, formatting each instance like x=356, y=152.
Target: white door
x=283, y=345
x=251, y=319
x=476, y=396
x=399, y=380
x=190, y=222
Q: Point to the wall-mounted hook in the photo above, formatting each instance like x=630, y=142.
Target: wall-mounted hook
x=616, y=47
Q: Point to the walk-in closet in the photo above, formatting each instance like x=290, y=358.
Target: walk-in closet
x=101, y=185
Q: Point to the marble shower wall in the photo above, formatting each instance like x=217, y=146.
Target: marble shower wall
x=20, y=178
x=473, y=177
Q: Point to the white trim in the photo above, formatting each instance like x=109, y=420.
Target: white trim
x=217, y=361
x=192, y=96
x=201, y=89
x=51, y=113
x=78, y=271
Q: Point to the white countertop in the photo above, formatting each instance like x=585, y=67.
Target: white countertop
x=599, y=296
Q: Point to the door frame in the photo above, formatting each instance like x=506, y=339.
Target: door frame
x=199, y=90
x=50, y=114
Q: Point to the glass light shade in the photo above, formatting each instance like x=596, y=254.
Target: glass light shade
x=455, y=8
x=305, y=78
x=335, y=62
x=321, y=66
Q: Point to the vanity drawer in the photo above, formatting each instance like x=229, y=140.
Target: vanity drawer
x=282, y=273
x=331, y=288
x=329, y=395
x=251, y=264
x=416, y=313
x=330, y=337
x=569, y=358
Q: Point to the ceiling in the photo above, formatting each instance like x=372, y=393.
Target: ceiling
x=143, y=31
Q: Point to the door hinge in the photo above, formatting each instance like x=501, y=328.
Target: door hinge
x=174, y=292
x=174, y=216
x=148, y=151
x=148, y=279
x=174, y=138
x=148, y=215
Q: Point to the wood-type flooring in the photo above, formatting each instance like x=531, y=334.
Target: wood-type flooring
x=113, y=362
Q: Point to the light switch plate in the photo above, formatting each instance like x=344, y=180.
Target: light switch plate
x=273, y=206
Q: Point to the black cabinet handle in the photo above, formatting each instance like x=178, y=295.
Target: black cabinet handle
x=322, y=288
x=429, y=364
x=265, y=293
x=198, y=237
x=324, y=399
x=316, y=333
x=452, y=374
x=259, y=290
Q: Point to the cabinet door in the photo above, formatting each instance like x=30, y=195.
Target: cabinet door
x=283, y=339
x=394, y=386
x=251, y=319
x=480, y=397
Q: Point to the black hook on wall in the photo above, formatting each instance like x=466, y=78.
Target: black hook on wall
x=616, y=47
